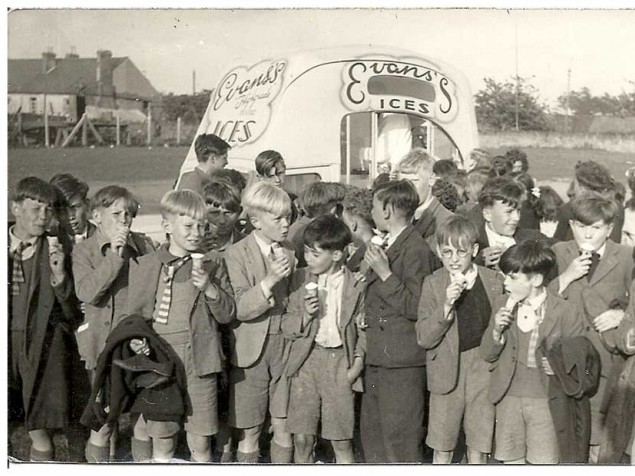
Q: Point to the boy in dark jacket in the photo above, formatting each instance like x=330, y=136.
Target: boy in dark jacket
x=43, y=311
x=393, y=405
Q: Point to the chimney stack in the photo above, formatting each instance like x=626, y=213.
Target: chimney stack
x=104, y=73
x=73, y=54
x=48, y=61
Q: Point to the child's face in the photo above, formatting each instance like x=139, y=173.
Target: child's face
x=111, y=219
x=422, y=179
x=457, y=260
x=520, y=285
x=272, y=227
x=74, y=217
x=517, y=167
x=379, y=215
x=320, y=261
x=185, y=233
x=503, y=218
x=276, y=175
x=222, y=219
x=32, y=217
x=595, y=234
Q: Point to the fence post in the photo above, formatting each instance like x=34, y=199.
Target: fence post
x=117, y=130
x=178, y=130
x=149, y=140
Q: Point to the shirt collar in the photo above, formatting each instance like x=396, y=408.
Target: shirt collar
x=265, y=248
x=537, y=301
x=495, y=239
x=422, y=208
x=331, y=281
x=601, y=250
x=390, y=239
x=14, y=241
x=165, y=256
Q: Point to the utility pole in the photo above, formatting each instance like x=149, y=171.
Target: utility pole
x=193, y=82
x=568, y=98
x=517, y=77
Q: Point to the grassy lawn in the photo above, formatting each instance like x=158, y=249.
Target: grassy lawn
x=147, y=173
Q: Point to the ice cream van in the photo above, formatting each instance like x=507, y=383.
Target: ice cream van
x=341, y=114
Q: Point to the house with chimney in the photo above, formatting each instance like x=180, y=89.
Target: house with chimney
x=102, y=87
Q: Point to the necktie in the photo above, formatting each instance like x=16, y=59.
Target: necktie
x=163, y=311
x=17, y=274
x=595, y=260
x=533, y=338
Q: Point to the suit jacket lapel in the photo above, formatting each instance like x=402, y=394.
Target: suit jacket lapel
x=551, y=314
x=483, y=241
x=254, y=257
x=606, y=264
x=350, y=294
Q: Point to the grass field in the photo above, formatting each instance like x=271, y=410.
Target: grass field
x=150, y=173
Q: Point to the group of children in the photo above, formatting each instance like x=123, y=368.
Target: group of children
x=446, y=324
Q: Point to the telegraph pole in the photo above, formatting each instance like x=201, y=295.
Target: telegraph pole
x=193, y=82
x=568, y=98
x=517, y=77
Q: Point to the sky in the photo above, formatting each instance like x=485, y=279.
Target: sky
x=167, y=45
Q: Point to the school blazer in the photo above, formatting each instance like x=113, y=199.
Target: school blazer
x=94, y=274
x=391, y=305
x=205, y=314
x=303, y=336
x=561, y=321
x=246, y=268
x=439, y=336
x=609, y=285
x=54, y=310
x=431, y=218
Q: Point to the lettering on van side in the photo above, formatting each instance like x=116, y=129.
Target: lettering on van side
x=398, y=86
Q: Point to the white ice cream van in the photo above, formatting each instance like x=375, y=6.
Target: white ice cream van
x=338, y=114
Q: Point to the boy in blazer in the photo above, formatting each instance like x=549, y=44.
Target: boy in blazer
x=259, y=269
x=186, y=297
x=100, y=270
x=327, y=350
x=500, y=201
x=391, y=419
x=454, y=311
x=596, y=273
x=43, y=311
x=73, y=208
x=531, y=317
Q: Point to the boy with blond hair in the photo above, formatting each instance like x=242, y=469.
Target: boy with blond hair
x=186, y=296
x=454, y=311
x=259, y=268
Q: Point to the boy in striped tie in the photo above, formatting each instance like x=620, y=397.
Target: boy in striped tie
x=527, y=317
x=43, y=310
x=186, y=296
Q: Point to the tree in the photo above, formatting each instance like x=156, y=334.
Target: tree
x=583, y=103
x=189, y=107
x=496, y=106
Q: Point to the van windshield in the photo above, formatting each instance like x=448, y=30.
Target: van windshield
x=383, y=139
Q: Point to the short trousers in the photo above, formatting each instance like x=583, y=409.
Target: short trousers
x=202, y=394
x=467, y=404
x=321, y=392
x=263, y=386
x=524, y=429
